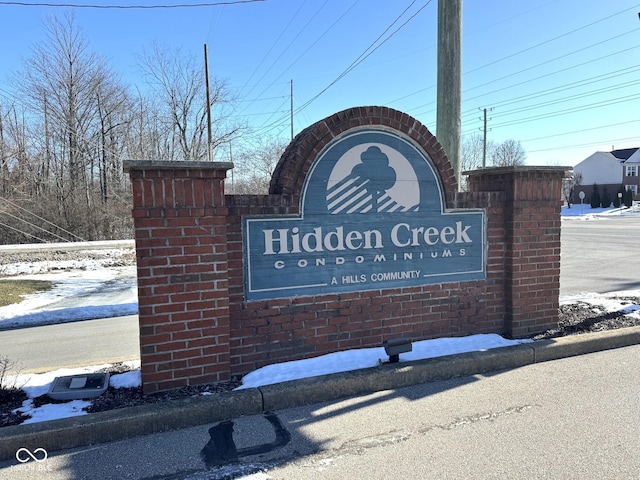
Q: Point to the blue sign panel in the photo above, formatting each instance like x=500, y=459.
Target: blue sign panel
x=372, y=217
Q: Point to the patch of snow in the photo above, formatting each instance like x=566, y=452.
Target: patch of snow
x=130, y=379
x=52, y=411
x=75, y=295
x=370, y=357
x=584, y=212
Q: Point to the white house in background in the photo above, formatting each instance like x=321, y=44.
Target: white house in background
x=610, y=169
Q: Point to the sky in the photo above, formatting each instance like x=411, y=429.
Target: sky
x=559, y=76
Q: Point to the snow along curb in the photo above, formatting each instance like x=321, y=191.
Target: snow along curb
x=145, y=419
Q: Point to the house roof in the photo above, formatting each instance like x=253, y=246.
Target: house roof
x=624, y=153
x=635, y=158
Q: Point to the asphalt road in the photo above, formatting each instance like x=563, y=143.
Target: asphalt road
x=575, y=418
x=597, y=256
x=76, y=344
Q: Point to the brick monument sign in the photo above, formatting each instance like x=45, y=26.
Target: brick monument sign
x=363, y=237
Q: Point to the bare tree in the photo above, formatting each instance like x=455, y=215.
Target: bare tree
x=508, y=153
x=254, y=165
x=73, y=108
x=178, y=81
x=473, y=152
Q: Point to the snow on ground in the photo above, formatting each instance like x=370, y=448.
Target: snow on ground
x=585, y=212
x=89, y=290
x=35, y=385
x=370, y=357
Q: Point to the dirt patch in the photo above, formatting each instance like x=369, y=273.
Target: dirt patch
x=580, y=317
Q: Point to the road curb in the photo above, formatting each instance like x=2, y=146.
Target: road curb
x=125, y=423
x=129, y=422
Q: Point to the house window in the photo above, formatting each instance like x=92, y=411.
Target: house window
x=632, y=171
x=633, y=188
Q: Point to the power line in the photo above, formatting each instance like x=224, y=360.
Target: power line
x=561, y=88
x=327, y=30
x=130, y=7
x=551, y=40
x=590, y=144
x=581, y=108
x=43, y=219
x=483, y=96
x=36, y=226
x=553, y=59
x=24, y=233
x=565, y=99
x=264, y=57
x=600, y=127
x=362, y=57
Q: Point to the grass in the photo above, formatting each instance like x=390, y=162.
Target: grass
x=12, y=291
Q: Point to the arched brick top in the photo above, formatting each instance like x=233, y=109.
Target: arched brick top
x=296, y=161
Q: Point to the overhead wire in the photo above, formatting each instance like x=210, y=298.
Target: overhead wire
x=266, y=55
x=581, y=108
x=363, y=56
x=590, y=144
x=15, y=205
x=582, y=130
x=369, y=50
x=561, y=88
x=545, y=42
x=527, y=49
x=569, y=98
x=562, y=70
x=546, y=62
x=37, y=227
x=324, y=33
x=22, y=232
x=130, y=7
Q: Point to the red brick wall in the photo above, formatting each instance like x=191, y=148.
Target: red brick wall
x=195, y=325
x=181, y=233
x=532, y=243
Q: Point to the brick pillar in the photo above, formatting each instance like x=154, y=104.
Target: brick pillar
x=532, y=250
x=183, y=293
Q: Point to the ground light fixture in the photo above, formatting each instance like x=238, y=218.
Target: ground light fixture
x=395, y=346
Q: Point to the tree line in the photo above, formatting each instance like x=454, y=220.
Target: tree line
x=72, y=121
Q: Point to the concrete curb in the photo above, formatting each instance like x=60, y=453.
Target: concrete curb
x=129, y=422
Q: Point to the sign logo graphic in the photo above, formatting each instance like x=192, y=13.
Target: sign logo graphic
x=371, y=186
x=372, y=217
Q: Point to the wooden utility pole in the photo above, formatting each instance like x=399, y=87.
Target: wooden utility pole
x=449, y=96
x=291, y=109
x=206, y=76
x=484, y=141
